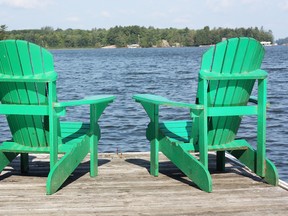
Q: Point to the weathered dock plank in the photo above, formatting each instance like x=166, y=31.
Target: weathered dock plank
x=124, y=187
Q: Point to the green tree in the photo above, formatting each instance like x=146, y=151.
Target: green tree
x=2, y=31
x=202, y=36
x=122, y=36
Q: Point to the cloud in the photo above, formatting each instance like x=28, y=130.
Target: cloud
x=105, y=14
x=183, y=21
x=73, y=19
x=26, y=4
x=158, y=14
x=251, y=1
x=222, y=5
x=218, y=5
x=283, y=5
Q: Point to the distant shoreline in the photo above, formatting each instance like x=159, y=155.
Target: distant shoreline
x=92, y=48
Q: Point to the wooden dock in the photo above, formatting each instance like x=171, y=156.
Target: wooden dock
x=124, y=187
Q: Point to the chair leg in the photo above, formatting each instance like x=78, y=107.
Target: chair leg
x=271, y=176
x=6, y=158
x=154, y=157
x=24, y=162
x=220, y=161
x=93, y=156
x=189, y=165
x=66, y=165
x=248, y=158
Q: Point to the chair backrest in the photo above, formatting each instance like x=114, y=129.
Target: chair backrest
x=236, y=55
x=21, y=58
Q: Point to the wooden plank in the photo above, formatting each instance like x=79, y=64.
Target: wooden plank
x=19, y=69
x=223, y=97
x=124, y=187
x=10, y=94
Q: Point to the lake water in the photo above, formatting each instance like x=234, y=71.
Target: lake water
x=169, y=72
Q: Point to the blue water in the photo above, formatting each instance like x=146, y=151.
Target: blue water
x=169, y=72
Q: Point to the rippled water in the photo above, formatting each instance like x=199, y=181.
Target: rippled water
x=169, y=72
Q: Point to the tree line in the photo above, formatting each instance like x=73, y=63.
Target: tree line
x=122, y=36
x=282, y=41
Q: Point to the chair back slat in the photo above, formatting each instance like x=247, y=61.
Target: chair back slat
x=237, y=55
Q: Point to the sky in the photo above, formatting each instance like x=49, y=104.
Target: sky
x=87, y=14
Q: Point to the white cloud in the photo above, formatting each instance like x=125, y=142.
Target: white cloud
x=183, y=21
x=26, y=4
x=105, y=14
x=283, y=5
x=222, y=5
x=218, y=5
x=73, y=19
x=158, y=14
x=251, y=1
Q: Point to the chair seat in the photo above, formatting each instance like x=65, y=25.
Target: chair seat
x=72, y=132
x=179, y=133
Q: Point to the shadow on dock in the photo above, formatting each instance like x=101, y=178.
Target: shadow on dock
x=40, y=169
x=170, y=170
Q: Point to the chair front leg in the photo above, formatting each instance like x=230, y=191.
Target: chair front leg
x=152, y=134
x=95, y=134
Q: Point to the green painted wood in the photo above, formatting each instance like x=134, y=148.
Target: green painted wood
x=232, y=111
x=18, y=148
x=188, y=164
x=152, y=133
x=10, y=95
x=158, y=100
x=98, y=99
x=224, y=87
x=226, y=79
x=178, y=132
x=261, y=127
x=29, y=101
x=47, y=77
x=6, y=158
x=211, y=75
x=66, y=165
x=94, y=133
x=30, y=93
x=248, y=158
x=20, y=109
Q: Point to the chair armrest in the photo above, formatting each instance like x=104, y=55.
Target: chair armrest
x=86, y=101
x=43, y=77
x=256, y=74
x=159, y=100
x=151, y=105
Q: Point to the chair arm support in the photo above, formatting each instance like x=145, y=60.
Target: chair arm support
x=159, y=100
x=256, y=74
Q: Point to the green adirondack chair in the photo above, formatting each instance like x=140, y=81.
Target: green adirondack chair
x=29, y=101
x=226, y=79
